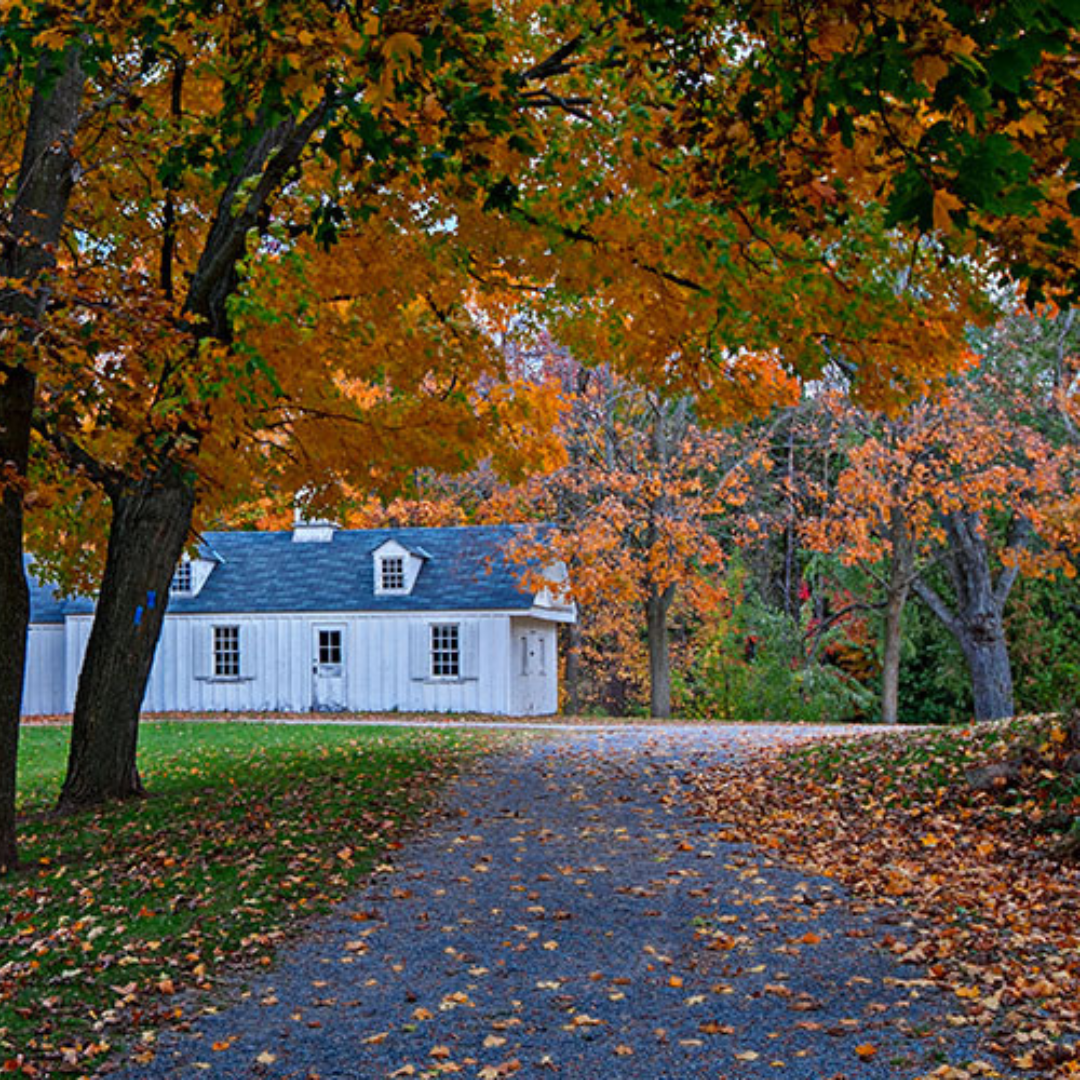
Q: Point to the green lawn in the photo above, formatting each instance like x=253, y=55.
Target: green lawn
x=248, y=828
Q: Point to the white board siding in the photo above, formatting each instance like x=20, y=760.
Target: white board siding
x=43, y=680
x=280, y=651
x=278, y=656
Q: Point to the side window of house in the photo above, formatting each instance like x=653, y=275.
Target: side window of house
x=392, y=573
x=182, y=580
x=226, y=652
x=445, y=651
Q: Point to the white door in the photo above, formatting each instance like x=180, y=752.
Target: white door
x=328, y=669
x=530, y=662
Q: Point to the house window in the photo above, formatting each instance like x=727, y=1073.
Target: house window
x=392, y=573
x=227, y=652
x=445, y=651
x=329, y=647
x=182, y=581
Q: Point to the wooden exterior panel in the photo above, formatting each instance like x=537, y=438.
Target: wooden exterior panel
x=43, y=682
x=384, y=659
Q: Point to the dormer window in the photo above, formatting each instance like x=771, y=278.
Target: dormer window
x=396, y=568
x=183, y=580
x=392, y=573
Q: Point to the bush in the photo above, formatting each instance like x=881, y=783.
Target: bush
x=753, y=665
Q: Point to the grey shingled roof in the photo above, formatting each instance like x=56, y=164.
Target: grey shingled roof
x=269, y=572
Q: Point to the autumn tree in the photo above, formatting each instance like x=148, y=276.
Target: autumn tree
x=219, y=137
x=694, y=163
x=33, y=224
x=632, y=512
x=959, y=482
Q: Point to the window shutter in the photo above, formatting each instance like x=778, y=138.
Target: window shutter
x=249, y=642
x=470, y=649
x=202, y=645
x=419, y=650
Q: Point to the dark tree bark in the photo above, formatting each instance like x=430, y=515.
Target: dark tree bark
x=657, y=606
x=572, y=675
x=152, y=516
x=16, y=407
x=150, y=525
x=897, y=589
x=977, y=622
x=27, y=253
x=669, y=428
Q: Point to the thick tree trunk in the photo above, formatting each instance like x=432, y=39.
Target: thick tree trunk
x=28, y=245
x=978, y=619
x=150, y=524
x=987, y=653
x=657, y=605
x=16, y=407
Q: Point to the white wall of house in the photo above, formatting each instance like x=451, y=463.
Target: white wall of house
x=43, y=681
x=361, y=662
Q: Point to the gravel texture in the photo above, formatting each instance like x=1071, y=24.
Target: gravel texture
x=567, y=917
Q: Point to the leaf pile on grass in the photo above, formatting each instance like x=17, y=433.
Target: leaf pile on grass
x=962, y=829
x=249, y=829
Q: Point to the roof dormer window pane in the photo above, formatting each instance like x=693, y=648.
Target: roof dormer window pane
x=392, y=573
x=182, y=581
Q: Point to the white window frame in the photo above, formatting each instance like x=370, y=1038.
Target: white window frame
x=226, y=656
x=183, y=579
x=445, y=642
x=393, y=574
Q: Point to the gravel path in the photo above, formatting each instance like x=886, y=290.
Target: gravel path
x=566, y=917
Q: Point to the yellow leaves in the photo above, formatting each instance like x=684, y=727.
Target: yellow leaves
x=945, y=205
x=401, y=47
x=54, y=39
x=930, y=69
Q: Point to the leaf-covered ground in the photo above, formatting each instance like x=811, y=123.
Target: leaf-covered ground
x=565, y=915
x=249, y=829
x=988, y=906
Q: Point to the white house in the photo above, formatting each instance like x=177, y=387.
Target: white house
x=321, y=618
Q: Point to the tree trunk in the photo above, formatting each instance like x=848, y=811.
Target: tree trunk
x=890, y=656
x=16, y=407
x=978, y=620
x=987, y=653
x=150, y=524
x=572, y=676
x=901, y=571
x=28, y=245
x=657, y=605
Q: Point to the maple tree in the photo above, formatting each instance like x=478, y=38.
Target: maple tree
x=33, y=227
x=633, y=511
x=960, y=481
x=228, y=123
x=204, y=129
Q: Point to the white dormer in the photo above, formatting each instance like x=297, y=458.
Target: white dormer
x=556, y=595
x=396, y=568
x=190, y=576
